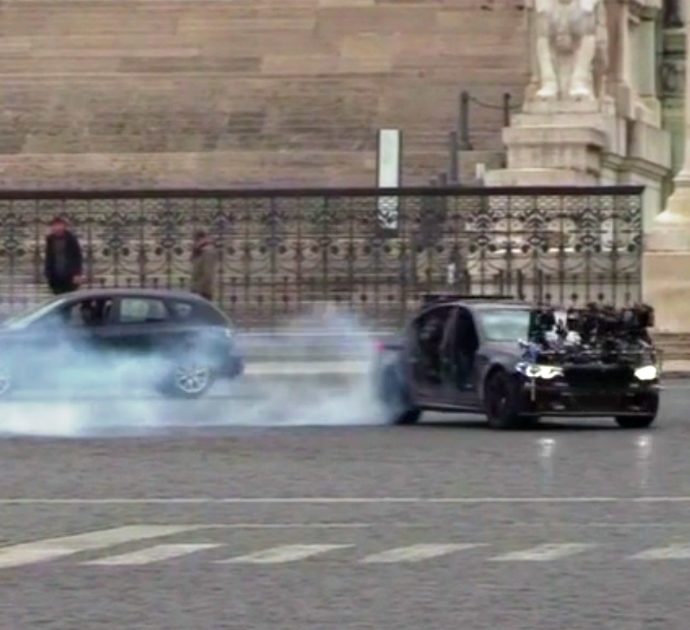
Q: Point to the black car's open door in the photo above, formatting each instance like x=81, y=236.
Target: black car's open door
x=458, y=356
x=424, y=352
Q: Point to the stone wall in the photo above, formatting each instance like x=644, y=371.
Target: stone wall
x=177, y=93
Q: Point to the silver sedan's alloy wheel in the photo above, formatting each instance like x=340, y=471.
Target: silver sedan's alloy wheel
x=5, y=379
x=192, y=379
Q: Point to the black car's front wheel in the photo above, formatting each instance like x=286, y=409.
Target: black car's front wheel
x=635, y=422
x=650, y=407
x=502, y=403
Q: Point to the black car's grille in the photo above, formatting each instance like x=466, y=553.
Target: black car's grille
x=598, y=377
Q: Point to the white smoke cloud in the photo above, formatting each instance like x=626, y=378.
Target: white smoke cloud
x=92, y=399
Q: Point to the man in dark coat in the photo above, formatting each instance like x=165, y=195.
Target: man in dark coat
x=63, y=259
x=204, y=262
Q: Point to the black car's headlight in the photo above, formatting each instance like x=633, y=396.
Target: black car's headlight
x=647, y=373
x=534, y=370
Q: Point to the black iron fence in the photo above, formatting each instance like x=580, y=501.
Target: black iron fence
x=372, y=251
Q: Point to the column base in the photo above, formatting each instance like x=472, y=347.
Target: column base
x=666, y=287
x=670, y=231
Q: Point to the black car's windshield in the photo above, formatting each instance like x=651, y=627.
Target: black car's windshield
x=505, y=324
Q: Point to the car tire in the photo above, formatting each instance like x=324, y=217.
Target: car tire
x=189, y=380
x=635, y=422
x=396, y=399
x=6, y=380
x=501, y=403
x=409, y=417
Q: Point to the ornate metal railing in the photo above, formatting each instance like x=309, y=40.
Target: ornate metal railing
x=373, y=251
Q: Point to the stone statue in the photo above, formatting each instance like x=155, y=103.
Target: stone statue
x=572, y=41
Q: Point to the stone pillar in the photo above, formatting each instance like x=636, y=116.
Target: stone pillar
x=666, y=268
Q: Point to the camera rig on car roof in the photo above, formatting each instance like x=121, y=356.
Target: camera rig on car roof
x=596, y=330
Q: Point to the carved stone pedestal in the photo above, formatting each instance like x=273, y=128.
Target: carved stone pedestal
x=591, y=116
x=556, y=143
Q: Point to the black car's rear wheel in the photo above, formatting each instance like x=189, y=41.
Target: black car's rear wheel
x=635, y=422
x=395, y=397
x=501, y=402
x=409, y=416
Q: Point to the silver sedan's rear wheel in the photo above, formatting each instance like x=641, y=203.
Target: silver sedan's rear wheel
x=189, y=380
x=5, y=379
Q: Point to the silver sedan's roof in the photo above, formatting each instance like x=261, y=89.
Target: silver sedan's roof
x=136, y=292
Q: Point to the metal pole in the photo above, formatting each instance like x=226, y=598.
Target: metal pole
x=506, y=110
x=464, y=121
x=453, y=175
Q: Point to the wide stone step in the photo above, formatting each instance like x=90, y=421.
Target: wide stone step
x=214, y=94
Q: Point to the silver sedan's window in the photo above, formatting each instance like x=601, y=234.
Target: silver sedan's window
x=182, y=311
x=142, y=310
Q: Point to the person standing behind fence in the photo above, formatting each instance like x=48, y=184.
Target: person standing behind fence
x=204, y=262
x=63, y=258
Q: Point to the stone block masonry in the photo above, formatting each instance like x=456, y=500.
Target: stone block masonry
x=202, y=93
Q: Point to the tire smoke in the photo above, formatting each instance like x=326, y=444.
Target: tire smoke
x=314, y=372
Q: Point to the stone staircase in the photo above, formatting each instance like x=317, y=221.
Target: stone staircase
x=675, y=346
x=198, y=93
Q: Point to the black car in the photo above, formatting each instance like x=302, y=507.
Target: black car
x=515, y=363
x=174, y=341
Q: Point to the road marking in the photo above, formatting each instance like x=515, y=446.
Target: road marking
x=543, y=553
x=672, y=552
x=156, y=553
x=53, y=548
x=284, y=553
x=415, y=553
x=340, y=500
x=311, y=525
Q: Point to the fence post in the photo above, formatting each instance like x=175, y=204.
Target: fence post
x=506, y=109
x=453, y=166
x=464, y=121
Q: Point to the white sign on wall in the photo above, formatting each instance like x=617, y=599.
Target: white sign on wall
x=388, y=175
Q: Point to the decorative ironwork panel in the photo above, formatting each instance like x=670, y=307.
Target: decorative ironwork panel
x=375, y=252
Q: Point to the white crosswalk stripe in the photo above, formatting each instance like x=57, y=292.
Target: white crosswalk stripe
x=158, y=553
x=543, y=553
x=144, y=550
x=415, y=553
x=53, y=548
x=671, y=552
x=283, y=553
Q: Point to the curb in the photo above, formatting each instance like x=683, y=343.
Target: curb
x=311, y=368
x=354, y=368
